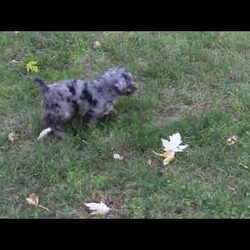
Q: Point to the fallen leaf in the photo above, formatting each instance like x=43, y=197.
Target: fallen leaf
x=96, y=45
x=149, y=162
x=167, y=155
x=231, y=188
x=44, y=133
x=244, y=166
x=14, y=136
x=117, y=157
x=97, y=208
x=173, y=144
x=232, y=140
x=170, y=147
x=33, y=199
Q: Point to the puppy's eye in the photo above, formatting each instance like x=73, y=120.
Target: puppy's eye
x=126, y=76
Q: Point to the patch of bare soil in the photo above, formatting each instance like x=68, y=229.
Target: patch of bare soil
x=175, y=113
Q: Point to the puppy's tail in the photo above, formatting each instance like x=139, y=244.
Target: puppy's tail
x=42, y=84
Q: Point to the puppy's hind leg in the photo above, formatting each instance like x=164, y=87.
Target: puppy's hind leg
x=53, y=121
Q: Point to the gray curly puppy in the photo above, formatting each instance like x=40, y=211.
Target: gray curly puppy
x=94, y=99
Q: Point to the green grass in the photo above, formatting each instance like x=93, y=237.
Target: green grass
x=195, y=83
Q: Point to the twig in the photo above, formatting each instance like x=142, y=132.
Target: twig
x=41, y=206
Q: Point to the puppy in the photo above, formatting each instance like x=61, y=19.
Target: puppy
x=94, y=99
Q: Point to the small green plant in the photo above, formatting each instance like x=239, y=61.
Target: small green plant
x=32, y=67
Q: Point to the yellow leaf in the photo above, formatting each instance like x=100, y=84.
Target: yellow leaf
x=168, y=155
x=166, y=161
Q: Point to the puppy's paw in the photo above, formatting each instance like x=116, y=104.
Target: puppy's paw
x=113, y=113
x=58, y=133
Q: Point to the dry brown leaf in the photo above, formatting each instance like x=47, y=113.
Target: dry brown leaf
x=168, y=156
x=117, y=157
x=14, y=136
x=96, y=45
x=232, y=140
x=33, y=199
x=97, y=208
x=149, y=162
x=170, y=147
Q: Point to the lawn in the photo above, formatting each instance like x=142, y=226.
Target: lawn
x=194, y=83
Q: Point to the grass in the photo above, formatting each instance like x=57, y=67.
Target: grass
x=195, y=83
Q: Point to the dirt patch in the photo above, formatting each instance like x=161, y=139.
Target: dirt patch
x=20, y=124
x=12, y=123
x=175, y=113
x=196, y=67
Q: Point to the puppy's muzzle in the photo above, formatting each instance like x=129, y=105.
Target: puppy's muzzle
x=132, y=88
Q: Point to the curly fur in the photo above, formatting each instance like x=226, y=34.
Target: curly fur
x=94, y=99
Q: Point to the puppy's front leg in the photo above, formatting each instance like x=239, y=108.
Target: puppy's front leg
x=112, y=113
x=58, y=132
x=54, y=121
